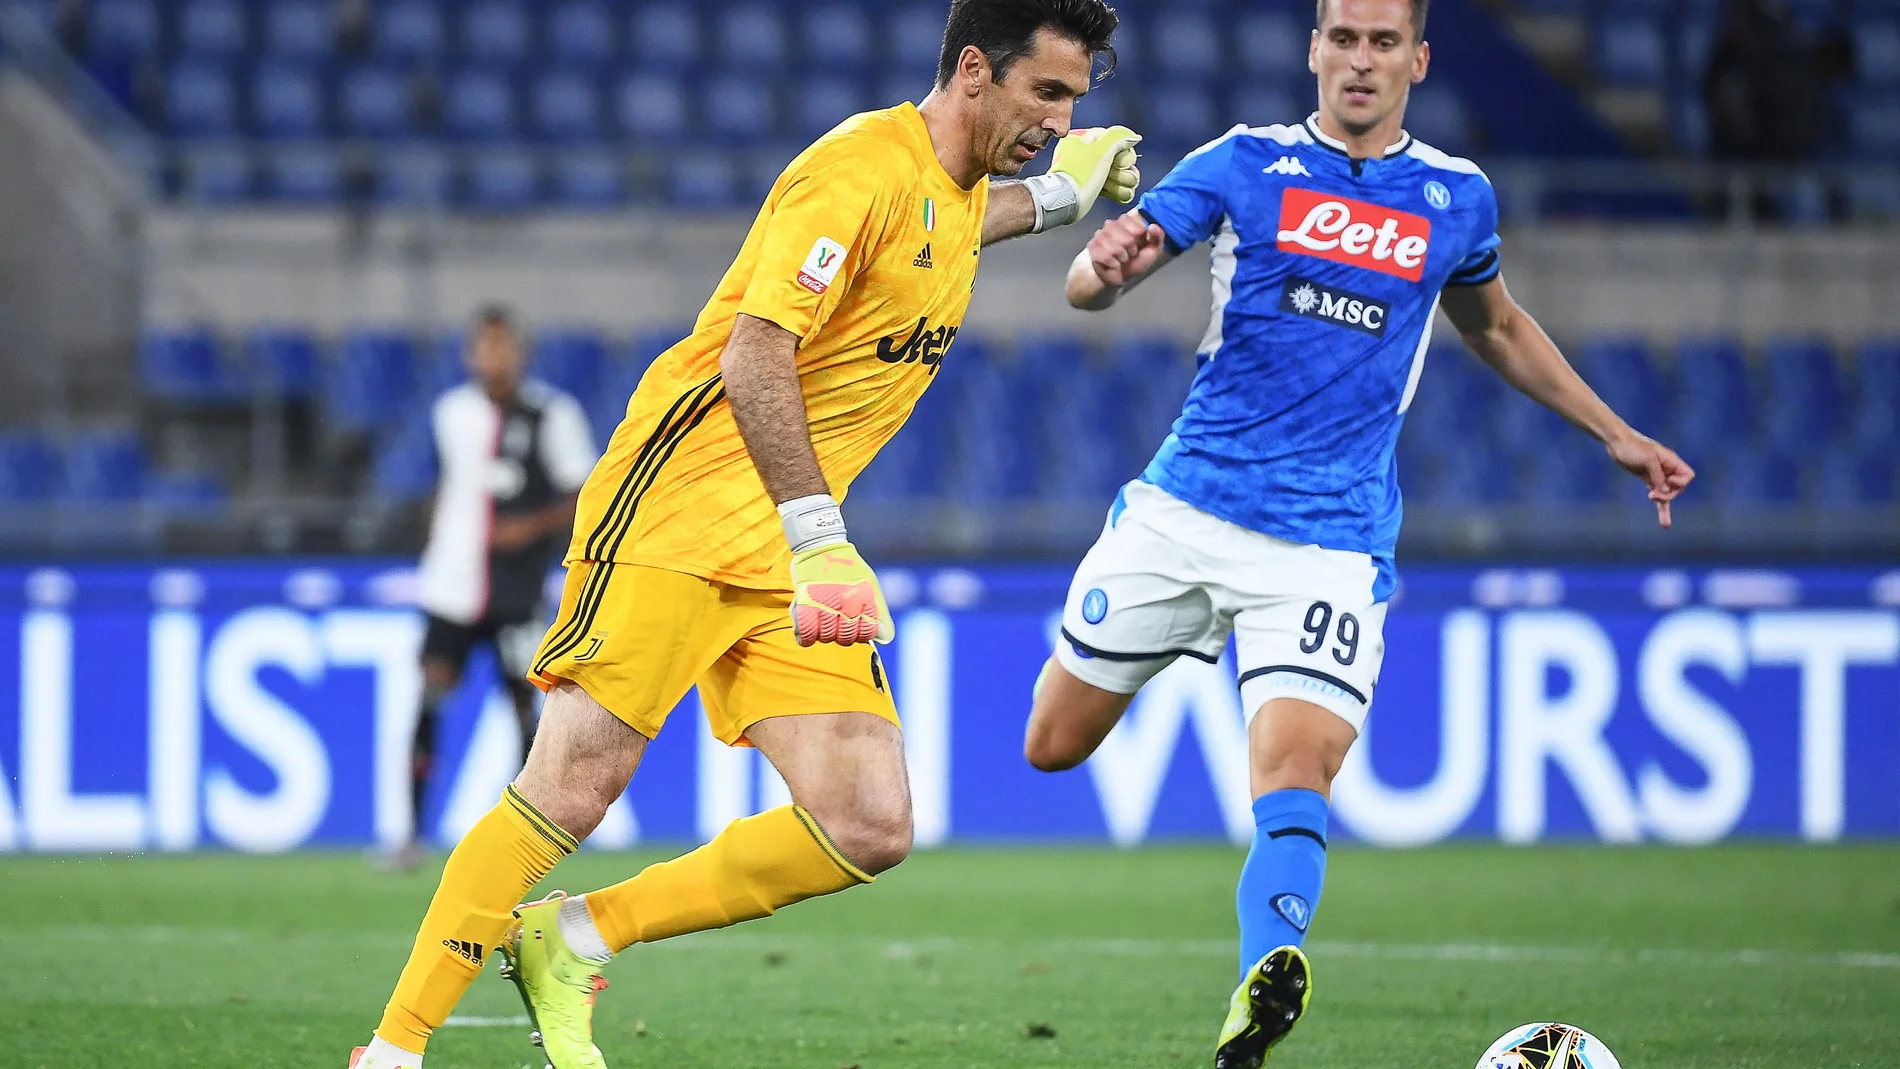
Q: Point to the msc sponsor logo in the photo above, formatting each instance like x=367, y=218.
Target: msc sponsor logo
x=1354, y=232
x=924, y=345
x=1304, y=297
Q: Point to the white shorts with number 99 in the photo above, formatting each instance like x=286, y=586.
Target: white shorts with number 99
x=1166, y=580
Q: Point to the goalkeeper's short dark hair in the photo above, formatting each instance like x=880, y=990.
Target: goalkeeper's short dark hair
x=1004, y=30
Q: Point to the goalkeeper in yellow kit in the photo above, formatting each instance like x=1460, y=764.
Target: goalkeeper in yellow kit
x=709, y=548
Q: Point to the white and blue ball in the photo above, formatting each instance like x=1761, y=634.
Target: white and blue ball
x=1548, y=1045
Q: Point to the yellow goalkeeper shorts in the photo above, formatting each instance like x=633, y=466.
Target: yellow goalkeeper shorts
x=637, y=638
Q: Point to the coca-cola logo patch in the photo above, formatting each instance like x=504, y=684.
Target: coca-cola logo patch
x=1354, y=232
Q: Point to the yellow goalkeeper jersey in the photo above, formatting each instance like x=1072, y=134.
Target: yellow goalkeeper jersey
x=867, y=250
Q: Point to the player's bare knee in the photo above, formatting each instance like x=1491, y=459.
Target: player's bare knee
x=874, y=838
x=1048, y=750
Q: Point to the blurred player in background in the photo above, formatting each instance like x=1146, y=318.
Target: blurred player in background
x=512, y=454
x=1272, y=511
x=709, y=547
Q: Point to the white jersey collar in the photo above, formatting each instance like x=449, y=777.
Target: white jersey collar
x=1312, y=127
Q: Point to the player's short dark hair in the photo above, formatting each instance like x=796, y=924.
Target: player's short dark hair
x=1004, y=30
x=1420, y=8
x=495, y=315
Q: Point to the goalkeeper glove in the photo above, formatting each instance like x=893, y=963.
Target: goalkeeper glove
x=1087, y=164
x=835, y=596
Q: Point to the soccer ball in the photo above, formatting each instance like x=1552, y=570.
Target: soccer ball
x=1548, y=1045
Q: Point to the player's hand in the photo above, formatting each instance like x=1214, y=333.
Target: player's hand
x=1101, y=163
x=835, y=598
x=1665, y=473
x=1126, y=248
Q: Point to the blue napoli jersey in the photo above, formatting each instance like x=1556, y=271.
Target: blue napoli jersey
x=1326, y=277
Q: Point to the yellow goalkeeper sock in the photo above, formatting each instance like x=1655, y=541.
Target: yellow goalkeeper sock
x=492, y=868
x=749, y=870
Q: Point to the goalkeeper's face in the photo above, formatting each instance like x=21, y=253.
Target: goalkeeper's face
x=1019, y=113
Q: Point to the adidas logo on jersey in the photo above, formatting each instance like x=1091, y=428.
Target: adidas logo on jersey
x=923, y=258
x=465, y=949
x=1287, y=165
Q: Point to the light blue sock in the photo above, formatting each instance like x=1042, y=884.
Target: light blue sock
x=1279, y=884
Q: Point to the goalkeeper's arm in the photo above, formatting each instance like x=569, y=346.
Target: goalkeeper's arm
x=835, y=594
x=1090, y=163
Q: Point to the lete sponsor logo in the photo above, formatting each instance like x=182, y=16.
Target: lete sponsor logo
x=821, y=265
x=1354, y=232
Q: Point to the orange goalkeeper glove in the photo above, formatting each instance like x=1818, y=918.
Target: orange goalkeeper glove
x=835, y=596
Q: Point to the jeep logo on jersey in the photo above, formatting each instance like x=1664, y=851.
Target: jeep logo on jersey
x=1304, y=297
x=923, y=346
x=1353, y=232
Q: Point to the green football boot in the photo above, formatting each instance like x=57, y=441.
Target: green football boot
x=1270, y=1000
x=557, y=985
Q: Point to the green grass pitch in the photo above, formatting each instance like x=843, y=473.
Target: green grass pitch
x=1777, y=957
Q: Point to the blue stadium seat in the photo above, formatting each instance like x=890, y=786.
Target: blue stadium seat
x=1695, y=35
x=1085, y=457
x=607, y=406
x=1457, y=399
x=1158, y=371
x=1263, y=104
x=375, y=102
x=412, y=175
x=479, y=105
x=1186, y=43
x=200, y=101
x=1801, y=394
x=500, y=178
x=281, y=362
x=580, y=33
x=913, y=35
x=566, y=106
x=1744, y=475
x=1877, y=53
x=1105, y=105
x=287, y=101
x=651, y=107
x=1436, y=115
x=736, y=106
x=192, y=494
x=752, y=37
x=1713, y=404
x=994, y=454
x=587, y=178
x=404, y=467
x=1623, y=372
x=824, y=101
x=369, y=383
x=1849, y=476
x=665, y=33
x=1874, y=416
x=570, y=359
x=1630, y=52
x=1462, y=473
x=30, y=468
x=705, y=179
x=443, y=369
x=304, y=174
x=104, y=466
x=299, y=29
x=1874, y=128
x=408, y=31
x=185, y=366
x=215, y=174
x=1569, y=470
x=837, y=36
x=646, y=345
x=1181, y=114
x=495, y=32
x=760, y=169
x=1525, y=427
x=211, y=29
x=1271, y=44
x=117, y=29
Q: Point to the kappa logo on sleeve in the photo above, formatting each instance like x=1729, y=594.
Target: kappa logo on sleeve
x=821, y=265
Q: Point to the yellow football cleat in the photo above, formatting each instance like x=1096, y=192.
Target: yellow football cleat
x=557, y=985
x=1270, y=1000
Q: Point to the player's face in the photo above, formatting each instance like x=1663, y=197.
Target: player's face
x=1367, y=58
x=494, y=360
x=1032, y=104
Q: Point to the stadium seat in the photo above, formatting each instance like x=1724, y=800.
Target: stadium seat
x=104, y=466
x=665, y=34
x=587, y=178
x=703, y=179
x=607, y=406
x=412, y=175
x=1801, y=395
x=305, y=174
x=1271, y=44
x=1525, y=427
x=211, y=29
x=281, y=362
x=1630, y=52
x=1743, y=475
x=995, y=451
x=752, y=37
x=1713, y=409
x=1569, y=469
x=580, y=33
x=215, y=174
x=120, y=29
x=824, y=101
x=647, y=345
x=913, y=34
x=30, y=467
x=186, y=494
x=1874, y=409
x=500, y=178
x=368, y=385
x=1436, y=115
x=1695, y=36
x=1461, y=474
x=495, y=33
x=566, y=106
x=200, y=101
x=736, y=106
x=836, y=36
x=1104, y=106
x=1185, y=43
x=286, y=101
x=1877, y=53
x=1084, y=455
x=376, y=103
x=1457, y=398
x=299, y=29
x=1180, y=114
x=407, y=32
x=651, y=107
x=1874, y=127
x=1624, y=374
x=1262, y=104
x=442, y=369
x=570, y=359
x=1158, y=373
x=1849, y=476
x=404, y=466
x=479, y=105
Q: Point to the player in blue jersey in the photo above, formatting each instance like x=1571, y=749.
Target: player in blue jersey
x=1271, y=512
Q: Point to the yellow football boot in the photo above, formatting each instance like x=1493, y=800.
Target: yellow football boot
x=1270, y=1000
x=557, y=985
